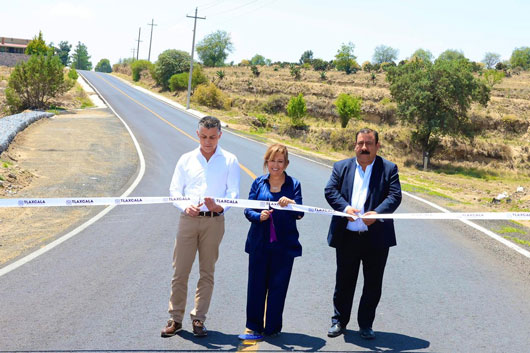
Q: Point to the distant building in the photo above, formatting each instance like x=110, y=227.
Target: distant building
x=13, y=45
x=12, y=51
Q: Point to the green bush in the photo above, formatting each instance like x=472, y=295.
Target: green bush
x=72, y=74
x=319, y=65
x=296, y=110
x=34, y=83
x=179, y=82
x=348, y=107
x=138, y=66
x=211, y=96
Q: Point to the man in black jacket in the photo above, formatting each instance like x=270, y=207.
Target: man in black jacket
x=363, y=185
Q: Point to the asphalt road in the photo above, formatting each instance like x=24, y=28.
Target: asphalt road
x=446, y=289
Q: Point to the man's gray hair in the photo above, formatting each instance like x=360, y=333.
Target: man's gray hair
x=209, y=122
x=368, y=131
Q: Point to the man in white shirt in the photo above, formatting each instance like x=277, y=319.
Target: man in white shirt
x=364, y=185
x=202, y=174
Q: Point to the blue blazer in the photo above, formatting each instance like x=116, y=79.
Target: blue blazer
x=384, y=196
x=284, y=221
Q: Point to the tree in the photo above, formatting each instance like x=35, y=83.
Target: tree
x=491, y=59
x=214, y=48
x=37, y=46
x=422, y=54
x=258, y=60
x=34, y=83
x=345, y=60
x=348, y=107
x=169, y=63
x=103, y=66
x=307, y=57
x=384, y=54
x=451, y=54
x=492, y=77
x=434, y=99
x=63, y=52
x=80, y=58
x=296, y=110
x=521, y=58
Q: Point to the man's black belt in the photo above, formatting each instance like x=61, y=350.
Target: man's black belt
x=209, y=214
x=355, y=232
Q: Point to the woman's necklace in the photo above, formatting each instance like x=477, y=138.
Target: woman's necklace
x=276, y=185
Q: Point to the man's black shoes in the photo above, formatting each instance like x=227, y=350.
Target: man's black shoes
x=367, y=333
x=335, y=330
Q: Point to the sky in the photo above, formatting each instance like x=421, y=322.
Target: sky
x=280, y=30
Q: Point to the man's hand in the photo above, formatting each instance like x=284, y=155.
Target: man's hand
x=353, y=212
x=265, y=214
x=209, y=202
x=193, y=210
x=369, y=221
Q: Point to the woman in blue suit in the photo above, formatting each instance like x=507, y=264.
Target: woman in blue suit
x=272, y=244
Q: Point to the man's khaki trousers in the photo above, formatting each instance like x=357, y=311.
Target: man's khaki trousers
x=202, y=234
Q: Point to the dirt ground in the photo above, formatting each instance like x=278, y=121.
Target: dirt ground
x=80, y=153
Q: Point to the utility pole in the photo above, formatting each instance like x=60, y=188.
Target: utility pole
x=152, y=24
x=138, y=40
x=191, y=61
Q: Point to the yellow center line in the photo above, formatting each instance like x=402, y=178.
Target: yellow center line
x=245, y=169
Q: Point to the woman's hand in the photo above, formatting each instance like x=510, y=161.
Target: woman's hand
x=265, y=214
x=284, y=201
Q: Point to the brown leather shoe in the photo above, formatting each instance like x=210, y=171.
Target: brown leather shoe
x=171, y=328
x=199, y=330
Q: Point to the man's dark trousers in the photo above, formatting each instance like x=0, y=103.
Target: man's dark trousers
x=354, y=250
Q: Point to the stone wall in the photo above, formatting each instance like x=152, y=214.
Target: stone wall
x=11, y=59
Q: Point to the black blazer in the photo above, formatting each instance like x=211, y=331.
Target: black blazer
x=384, y=196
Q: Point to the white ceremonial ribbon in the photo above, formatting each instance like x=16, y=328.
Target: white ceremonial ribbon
x=255, y=204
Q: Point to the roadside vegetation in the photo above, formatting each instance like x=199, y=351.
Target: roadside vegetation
x=44, y=82
x=477, y=145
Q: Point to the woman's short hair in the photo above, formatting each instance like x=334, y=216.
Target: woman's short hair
x=272, y=151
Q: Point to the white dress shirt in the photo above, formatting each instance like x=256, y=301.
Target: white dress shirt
x=359, y=193
x=195, y=177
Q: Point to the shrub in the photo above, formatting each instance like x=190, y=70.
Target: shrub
x=367, y=66
x=179, y=82
x=138, y=66
x=211, y=96
x=319, y=65
x=348, y=107
x=323, y=76
x=275, y=104
x=34, y=83
x=296, y=110
x=295, y=72
x=72, y=74
x=255, y=70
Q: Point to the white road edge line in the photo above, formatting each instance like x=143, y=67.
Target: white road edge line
x=91, y=221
